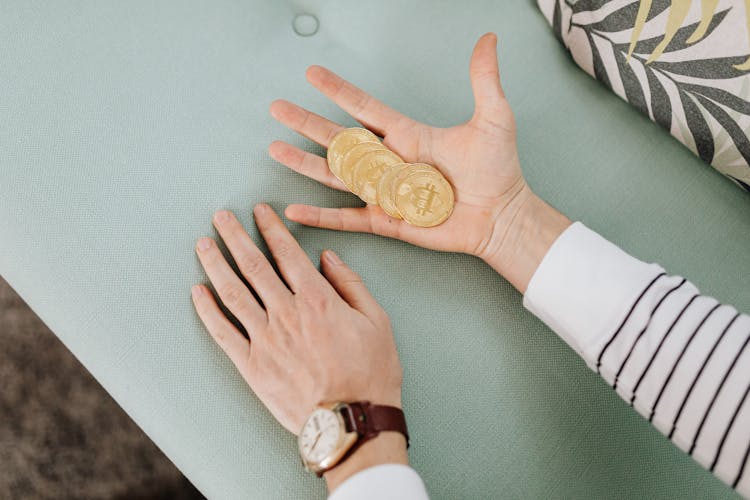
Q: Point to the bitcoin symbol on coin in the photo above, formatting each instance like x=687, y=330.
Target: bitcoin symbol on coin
x=425, y=196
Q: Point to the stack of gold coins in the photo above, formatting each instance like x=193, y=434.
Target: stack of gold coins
x=415, y=192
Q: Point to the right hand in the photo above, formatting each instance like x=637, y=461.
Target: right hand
x=313, y=338
x=478, y=157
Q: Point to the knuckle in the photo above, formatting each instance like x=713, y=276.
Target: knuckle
x=362, y=103
x=232, y=295
x=339, y=87
x=339, y=222
x=352, y=282
x=316, y=300
x=304, y=119
x=484, y=72
x=310, y=284
x=282, y=248
x=280, y=309
x=353, y=277
x=283, y=321
x=251, y=263
x=219, y=335
x=371, y=220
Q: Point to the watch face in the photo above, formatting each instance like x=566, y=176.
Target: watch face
x=320, y=436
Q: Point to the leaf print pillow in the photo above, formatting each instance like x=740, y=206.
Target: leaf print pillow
x=684, y=63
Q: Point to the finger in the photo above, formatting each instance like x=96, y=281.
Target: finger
x=367, y=110
x=484, y=73
x=349, y=285
x=232, y=291
x=307, y=164
x=250, y=260
x=292, y=261
x=229, y=338
x=361, y=220
x=314, y=127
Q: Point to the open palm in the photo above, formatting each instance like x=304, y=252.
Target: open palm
x=478, y=157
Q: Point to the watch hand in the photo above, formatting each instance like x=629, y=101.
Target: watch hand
x=317, y=438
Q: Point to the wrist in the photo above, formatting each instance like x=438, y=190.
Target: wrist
x=386, y=448
x=531, y=226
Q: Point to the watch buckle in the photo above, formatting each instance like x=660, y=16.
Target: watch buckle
x=352, y=418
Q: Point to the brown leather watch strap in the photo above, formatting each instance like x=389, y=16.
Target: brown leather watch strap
x=369, y=420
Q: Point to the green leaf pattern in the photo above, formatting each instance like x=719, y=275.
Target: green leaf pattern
x=696, y=85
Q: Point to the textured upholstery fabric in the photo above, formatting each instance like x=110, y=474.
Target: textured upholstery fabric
x=124, y=125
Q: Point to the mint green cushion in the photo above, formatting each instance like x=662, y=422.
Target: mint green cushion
x=124, y=125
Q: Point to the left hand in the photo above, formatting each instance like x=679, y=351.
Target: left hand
x=496, y=216
x=479, y=157
x=316, y=337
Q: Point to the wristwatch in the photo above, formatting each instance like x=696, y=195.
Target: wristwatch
x=334, y=431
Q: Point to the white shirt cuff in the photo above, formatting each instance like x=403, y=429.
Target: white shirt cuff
x=391, y=481
x=583, y=285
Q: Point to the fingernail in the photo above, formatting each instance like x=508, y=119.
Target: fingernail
x=204, y=244
x=272, y=108
x=197, y=291
x=261, y=208
x=332, y=258
x=221, y=216
x=294, y=213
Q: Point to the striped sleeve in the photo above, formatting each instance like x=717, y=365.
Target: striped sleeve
x=681, y=359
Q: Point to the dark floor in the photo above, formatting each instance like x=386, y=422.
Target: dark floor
x=61, y=434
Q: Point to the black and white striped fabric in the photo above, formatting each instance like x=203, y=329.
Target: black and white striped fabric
x=681, y=359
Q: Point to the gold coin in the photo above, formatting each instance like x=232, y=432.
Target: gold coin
x=424, y=197
x=386, y=189
x=367, y=172
x=343, y=142
x=351, y=158
x=410, y=168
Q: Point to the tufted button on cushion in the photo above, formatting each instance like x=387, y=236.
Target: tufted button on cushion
x=305, y=24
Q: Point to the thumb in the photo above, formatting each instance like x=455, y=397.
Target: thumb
x=349, y=285
x=485, y=75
